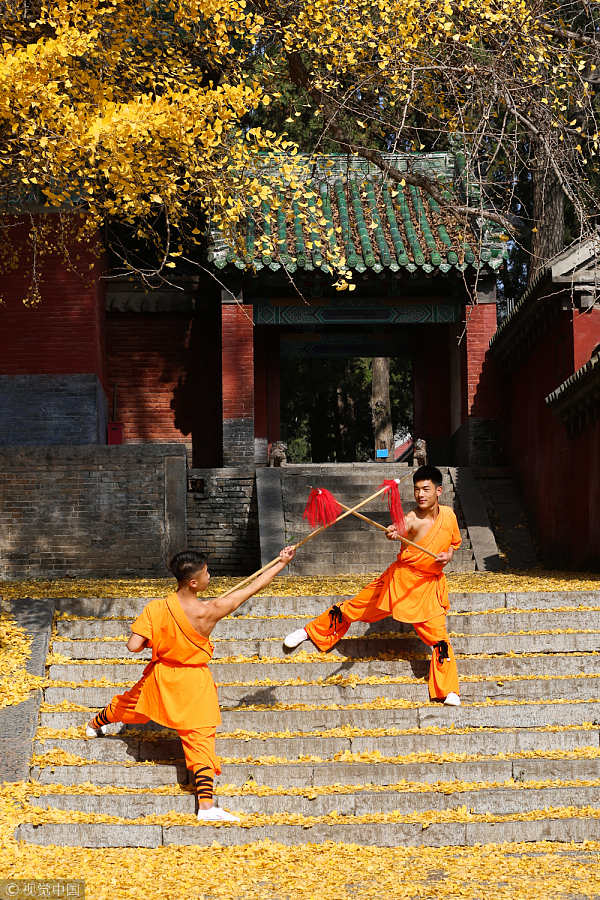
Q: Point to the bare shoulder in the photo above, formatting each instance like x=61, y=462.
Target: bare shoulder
x=210, y=607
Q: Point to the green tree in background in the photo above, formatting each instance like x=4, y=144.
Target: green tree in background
x=326, y=407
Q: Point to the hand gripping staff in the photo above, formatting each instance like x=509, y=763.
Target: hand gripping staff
x=328, y=511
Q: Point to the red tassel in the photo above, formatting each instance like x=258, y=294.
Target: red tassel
x=322, y=508
x=394, y=504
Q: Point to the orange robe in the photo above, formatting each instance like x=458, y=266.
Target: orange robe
x=413, y=589
x=176, y=688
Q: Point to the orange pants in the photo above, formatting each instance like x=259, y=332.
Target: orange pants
x=327, y=629
x=198, y=743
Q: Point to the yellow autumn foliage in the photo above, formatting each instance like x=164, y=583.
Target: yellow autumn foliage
x=294, y=585
x=16, y=684
x=147, y=113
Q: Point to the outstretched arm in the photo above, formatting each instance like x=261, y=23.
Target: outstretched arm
x=136, y=642
x=224, y=606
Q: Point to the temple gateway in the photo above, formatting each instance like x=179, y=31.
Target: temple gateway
x=192, y=371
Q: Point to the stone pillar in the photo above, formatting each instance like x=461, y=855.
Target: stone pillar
x=237, y=331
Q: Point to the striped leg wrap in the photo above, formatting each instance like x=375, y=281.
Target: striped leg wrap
x=442, y=649
x=336, y=617
x=100, y=719
x=203, y=783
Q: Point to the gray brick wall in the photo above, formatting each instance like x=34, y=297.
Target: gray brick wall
x=476, y=443
x=39, y=410
x=238, y=442
x=91, y=511
x=222, y=517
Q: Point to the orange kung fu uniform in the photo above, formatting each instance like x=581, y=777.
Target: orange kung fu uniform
x=413, y=589
x=176, y=688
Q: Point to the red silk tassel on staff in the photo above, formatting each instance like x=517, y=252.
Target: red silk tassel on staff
x=322, y=508
x=395, y=504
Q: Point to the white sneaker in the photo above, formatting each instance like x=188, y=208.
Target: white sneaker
x=216, y=814
x=295, y=638
x=95, y=732
x=452, y=699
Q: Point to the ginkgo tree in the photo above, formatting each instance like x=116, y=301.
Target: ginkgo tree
x=121, y=111
x=511, y=82
x=155, y=114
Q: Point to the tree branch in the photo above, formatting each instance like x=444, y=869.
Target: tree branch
x=301, y=78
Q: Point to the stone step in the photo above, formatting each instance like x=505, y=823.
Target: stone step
x=365, y=470
x=368, y=567
x=311, y=604
x=297, y=773
x=375, y=560
x=499, y=666
x=576, y=829
x=278, y=625
x=307, y=569
x=295, y=499
x=500, y=801
x=483, y=715
x=545, y=687
x=293, y=512
x=361, y=483
x=368, y=481
x=358, y=648
x=354, y=534
x=351, y=492
x=132, y=744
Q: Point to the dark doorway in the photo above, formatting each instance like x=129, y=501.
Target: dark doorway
x=326, y=396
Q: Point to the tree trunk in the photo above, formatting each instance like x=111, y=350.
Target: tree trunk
x=548, y=216
x=340, y=425
x=380, y=406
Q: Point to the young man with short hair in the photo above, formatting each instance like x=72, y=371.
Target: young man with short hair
x=176, y=688
x=413, y=589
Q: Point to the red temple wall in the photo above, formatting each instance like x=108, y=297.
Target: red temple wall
x=267, y=400
x=431, y=390
x=62, y=335
x=586, y=334
x=480, y=378
x=559, y=476
x=238, y=361
x=148, y=359
x=237, y=354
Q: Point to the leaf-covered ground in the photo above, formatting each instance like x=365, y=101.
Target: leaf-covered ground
x=15, y=682
x=269, y=871
x=291, y=585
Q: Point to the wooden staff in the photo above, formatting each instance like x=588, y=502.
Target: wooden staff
x=310, y=536
x=383, y=528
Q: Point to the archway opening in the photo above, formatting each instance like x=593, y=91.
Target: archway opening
x=326, y=394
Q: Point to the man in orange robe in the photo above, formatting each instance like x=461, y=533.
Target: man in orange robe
x=176, y=688
x=413, y=589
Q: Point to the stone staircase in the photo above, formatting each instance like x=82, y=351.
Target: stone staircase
x=343, y=746
x=354, y=546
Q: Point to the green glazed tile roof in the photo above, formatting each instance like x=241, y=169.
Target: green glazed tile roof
x=589, y=371
x=576, y=401
x=380, y=224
